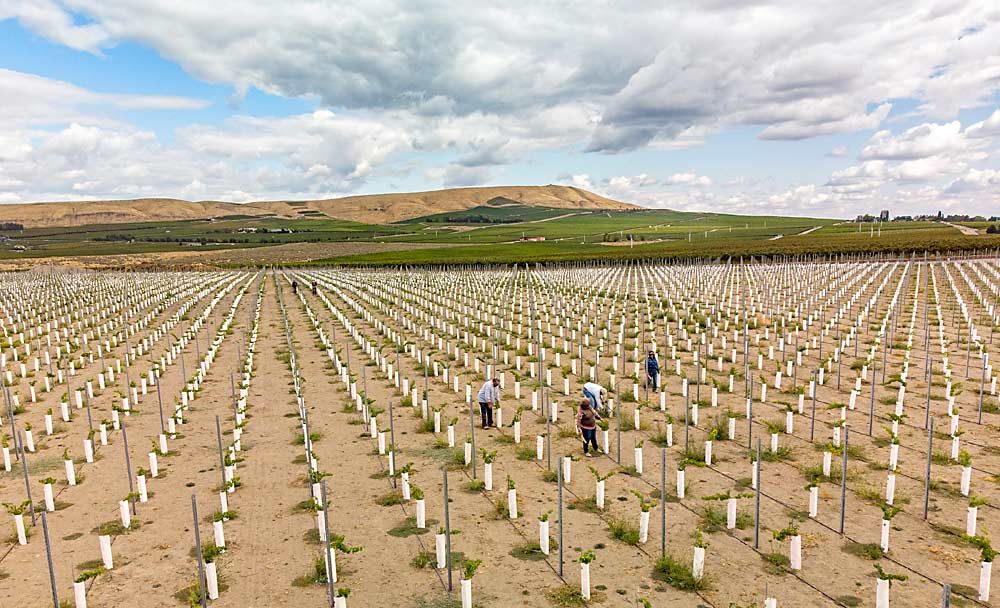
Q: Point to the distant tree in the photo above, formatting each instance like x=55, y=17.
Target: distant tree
x=993, y=229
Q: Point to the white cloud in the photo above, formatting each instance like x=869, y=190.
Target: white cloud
x=927, y=169
x=582, y=181
x=811, y=123
x=872, y=169
x=837, y=152
x=47, y=18
x=460, y=96
x=976, y=180
x=636, y=181
x=687, y=179
x=925, y=140
x=30, y=100
x=796, y=70
x=986, y=128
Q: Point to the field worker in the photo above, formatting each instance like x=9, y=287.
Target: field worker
x=596, y=394
x=488, y=398
x=653, y=371
x=586, y=425
x=295, y=287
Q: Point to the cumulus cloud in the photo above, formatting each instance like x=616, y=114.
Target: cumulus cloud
x=460, y=96
x=629, y=182
x=986, y=128
x=925, y=140
x=976, y=180
x=687, y=179
x=55, y=130
x=920, y=169
x=795, y=70
x=582, y=181
x=51, y=20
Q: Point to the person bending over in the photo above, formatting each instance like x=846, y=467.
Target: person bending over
x=488, y=398
x=596, y=394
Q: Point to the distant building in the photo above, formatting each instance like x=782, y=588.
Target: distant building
x=884, y=216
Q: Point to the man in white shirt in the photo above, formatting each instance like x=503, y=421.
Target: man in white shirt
x=488, y=398
x=596, y=394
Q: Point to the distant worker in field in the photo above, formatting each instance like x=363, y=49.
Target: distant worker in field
x=295, y=287
x=314, y=287
x=652, y=371
x=586, y=425
x=488, y=398
x=596, y=394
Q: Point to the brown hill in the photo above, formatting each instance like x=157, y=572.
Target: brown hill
x=388, y=208
x=369, y=209
x=40, y=215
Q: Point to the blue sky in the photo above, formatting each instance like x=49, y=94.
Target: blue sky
x=770, y=108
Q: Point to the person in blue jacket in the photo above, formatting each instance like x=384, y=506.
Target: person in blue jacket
x=653, y=371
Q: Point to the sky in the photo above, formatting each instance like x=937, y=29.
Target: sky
x=823, y=109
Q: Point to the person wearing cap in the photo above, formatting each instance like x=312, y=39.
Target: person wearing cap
x=653, y=370
x=488, y=398
x=596, y=394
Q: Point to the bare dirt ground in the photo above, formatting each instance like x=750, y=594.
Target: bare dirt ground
x=966, y=230
x=627, y=243
x=275, y=254
x=376, y=319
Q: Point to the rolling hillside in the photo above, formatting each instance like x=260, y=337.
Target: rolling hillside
x=370, y=209
x=42, y=215
x=388, y=208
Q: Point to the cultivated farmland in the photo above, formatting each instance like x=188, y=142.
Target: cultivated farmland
x=823, y=434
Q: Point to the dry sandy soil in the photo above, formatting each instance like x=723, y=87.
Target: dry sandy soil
x=272, y=541
x=198, y=260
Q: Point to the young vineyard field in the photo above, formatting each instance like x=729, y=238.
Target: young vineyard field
x=814, y=434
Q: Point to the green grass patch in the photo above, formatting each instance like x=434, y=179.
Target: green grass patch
x=115, y=527
x=587, y=505
x=678, y=574
x=409, y=528
x=622, y=530
x=776, y=563
x=570, y=597
x=532, y=552
x=869, y=551
x=390, y=499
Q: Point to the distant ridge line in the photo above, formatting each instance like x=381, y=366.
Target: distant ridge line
x=369, y=209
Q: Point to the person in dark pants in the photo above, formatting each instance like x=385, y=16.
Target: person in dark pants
x=586, y=423
x=653, y=371
x=488, y=398
x=486, y=414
